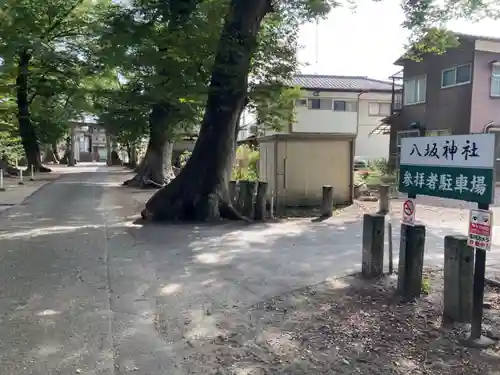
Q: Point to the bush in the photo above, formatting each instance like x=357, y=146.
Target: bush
x=246, y=164
x=183, y=159
x=359, y=178
x=380, y=166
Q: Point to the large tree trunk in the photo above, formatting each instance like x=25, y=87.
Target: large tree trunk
x=26, y=129
x=200, y=191
x=235, y=147
x=49, y=155
x=168, y=168
x=55, y=152
x=151, y=171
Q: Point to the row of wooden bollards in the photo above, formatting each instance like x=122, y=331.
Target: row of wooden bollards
x=250, y=198
x=21, y=178
x=458, y=262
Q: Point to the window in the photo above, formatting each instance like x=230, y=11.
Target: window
x=339, y=105
x=351, y=106
x=495, y=80
x=436, y=133
x=414, y=90
x=459, y=75
x=379, y=109
x=301, y=102
x=317, y=103
x=345, y=106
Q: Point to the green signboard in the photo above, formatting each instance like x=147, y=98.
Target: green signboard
x=457, y=167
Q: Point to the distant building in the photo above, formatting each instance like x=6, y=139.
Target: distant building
x=90, y=142
x=349, y=105
x=457, y=92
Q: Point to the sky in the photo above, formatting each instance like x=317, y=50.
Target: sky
x=366, y=41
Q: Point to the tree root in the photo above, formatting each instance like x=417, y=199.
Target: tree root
x=142, y=182
x=168, y=205
x=42, y=169
x=227, y=211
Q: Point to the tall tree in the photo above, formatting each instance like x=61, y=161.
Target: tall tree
x=200, y=192
x=167, y=48
x=34, y=32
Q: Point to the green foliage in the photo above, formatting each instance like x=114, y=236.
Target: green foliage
x=246, y=165
x=426, y=285
x=10, y=146
x=184, y=158
x=58, y=38
x=274, y=105
x=380, y=166
x=164, y=53
x=360, y=177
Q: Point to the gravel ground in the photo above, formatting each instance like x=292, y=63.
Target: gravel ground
x=348, y=326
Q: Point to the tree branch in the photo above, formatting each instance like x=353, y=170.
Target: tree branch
x=59, y=21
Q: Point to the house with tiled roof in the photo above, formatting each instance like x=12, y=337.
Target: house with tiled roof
x=354, y=105
x=334, y=120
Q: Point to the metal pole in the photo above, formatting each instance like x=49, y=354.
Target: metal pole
x=271, y=210
x=1, y=180
x=476, y=339
x=32, y=173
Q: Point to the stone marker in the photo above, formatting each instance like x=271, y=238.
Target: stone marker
x=261, y=201
x=373, y=246
x=383, y=205
x=246, y=198
x=327, y=201
x=232, y=192
x=458, y=279
x=411, y=261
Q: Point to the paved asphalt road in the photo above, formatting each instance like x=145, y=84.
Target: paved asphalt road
x=85, y=291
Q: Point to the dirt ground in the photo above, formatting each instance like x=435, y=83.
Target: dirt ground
x=349, y=326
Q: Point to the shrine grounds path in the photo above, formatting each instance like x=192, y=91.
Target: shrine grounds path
x=85, y=290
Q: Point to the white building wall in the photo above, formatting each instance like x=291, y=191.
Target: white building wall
x=374, y=146
x=358, y=122
x=326, y=121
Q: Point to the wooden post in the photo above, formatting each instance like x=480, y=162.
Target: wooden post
x=2, y=188
x=327, y=201
x=383, y=205
x=246, y=198
x=384, y=209
x=411, y=261
x=232, y=192
x=260, y=201
x=21, y=182
x=373, y=246
x=458, y=279
x=271, y=206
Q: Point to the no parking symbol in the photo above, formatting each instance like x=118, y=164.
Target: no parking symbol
x=409, y=212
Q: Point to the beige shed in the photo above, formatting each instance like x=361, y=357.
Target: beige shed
x=296, y=166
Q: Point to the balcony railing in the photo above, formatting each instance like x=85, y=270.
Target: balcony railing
x=397, y=92
x=397, y=101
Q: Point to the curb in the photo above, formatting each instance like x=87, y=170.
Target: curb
x=31, y=195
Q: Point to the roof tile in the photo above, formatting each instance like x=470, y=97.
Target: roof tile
x=350, y=83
